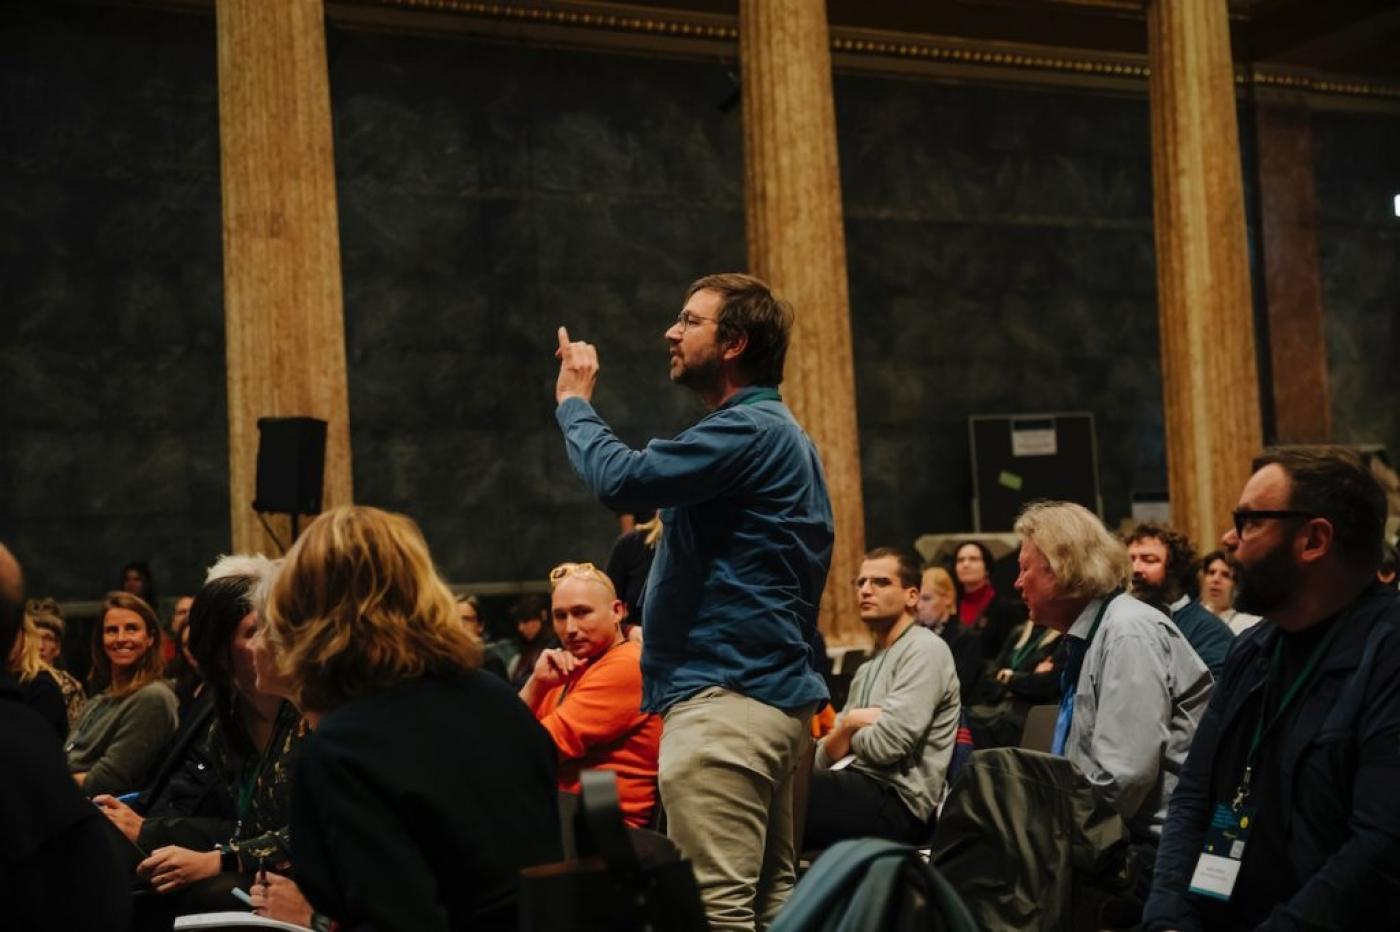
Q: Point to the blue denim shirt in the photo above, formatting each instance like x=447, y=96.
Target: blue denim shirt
x=733, y=592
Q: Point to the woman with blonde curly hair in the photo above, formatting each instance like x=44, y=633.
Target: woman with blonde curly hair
x=426, y=785
x=38, y=682
x=124, y=726
x=50, y=626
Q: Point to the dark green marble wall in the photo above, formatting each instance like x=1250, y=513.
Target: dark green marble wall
x=999, y=241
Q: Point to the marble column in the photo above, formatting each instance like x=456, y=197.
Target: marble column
x=282, y=290
x=1210, y=382
x=1292, y=269
x=796, y=242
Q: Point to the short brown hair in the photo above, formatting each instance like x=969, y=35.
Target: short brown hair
x=909, y=575
x=151, y=665
x=749, y=308
x=1335, y=483
x=358, y=607
x=1181, y=556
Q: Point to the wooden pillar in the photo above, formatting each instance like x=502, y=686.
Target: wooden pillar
x=1292, y=270
x=282, y=292
x=1210, y=382
x=797, y=243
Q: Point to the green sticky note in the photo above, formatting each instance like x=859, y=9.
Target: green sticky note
x=1010, y=480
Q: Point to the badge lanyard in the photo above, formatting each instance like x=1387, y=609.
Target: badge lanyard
x=1019, y=653
x=1262, y=730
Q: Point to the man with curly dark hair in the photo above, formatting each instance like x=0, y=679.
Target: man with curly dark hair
x=1164, y=566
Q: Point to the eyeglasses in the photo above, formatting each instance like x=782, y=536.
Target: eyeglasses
x=1244, y=516
x=585, y=570
x=685, y=320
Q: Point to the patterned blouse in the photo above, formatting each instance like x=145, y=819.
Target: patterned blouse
x=261, y=788
x=73, y=695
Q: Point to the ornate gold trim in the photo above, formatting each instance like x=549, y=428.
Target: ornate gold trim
x=848, y=41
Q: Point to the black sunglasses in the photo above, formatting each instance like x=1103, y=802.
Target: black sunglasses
x=1242, y=515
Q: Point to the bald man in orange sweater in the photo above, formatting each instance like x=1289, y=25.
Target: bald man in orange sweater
x=588, y=694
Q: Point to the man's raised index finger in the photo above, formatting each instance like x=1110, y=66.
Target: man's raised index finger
x=563, y=338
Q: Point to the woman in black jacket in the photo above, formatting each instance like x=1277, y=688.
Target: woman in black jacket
x=426, y=785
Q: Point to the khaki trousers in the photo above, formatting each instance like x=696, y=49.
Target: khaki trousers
x=726, y=774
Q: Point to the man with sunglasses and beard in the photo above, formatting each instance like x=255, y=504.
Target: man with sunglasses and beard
x=1286, y=814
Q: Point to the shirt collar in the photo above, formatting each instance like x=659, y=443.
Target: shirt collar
x=1180, y=603
x=748, y=391
x=1085, y=621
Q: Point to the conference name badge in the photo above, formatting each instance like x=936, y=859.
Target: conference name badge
x=1218, y=867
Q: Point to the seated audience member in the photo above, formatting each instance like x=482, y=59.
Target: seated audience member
x=1027, y=674
x=425, y=785
x=900, y=723
x=1286, y=816
x=1164, y=565
x=630, y=562
x=531, y=615
x=58, y=867
x=983, y=619
x=1218, y=574
x=136, y=579
x=178, y=666
x=1134, y=689
x=469, y=612
x=588, y=695
x=48, y=621
x=937, y=596
x=249, y=749
x=36, y=680
x=132, y=714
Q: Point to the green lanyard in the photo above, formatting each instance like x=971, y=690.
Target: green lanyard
x=1019, y=653
x=1261, y=729
x=875, y=673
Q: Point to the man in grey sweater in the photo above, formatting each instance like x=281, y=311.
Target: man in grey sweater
x=881, y=770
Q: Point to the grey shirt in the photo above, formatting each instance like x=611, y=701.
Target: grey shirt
x=914, y=683
x=118, y=741
x=1155, y=688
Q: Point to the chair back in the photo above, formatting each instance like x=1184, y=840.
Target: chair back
x=1039, y=733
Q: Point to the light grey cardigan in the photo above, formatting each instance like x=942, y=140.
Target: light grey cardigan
x=915, y=683
x=117, y=742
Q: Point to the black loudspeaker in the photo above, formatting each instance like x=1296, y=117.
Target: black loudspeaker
x=291, y=465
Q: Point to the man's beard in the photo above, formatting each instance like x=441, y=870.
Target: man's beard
x=1159, y=595
x=699, y=375
x=1265, y=584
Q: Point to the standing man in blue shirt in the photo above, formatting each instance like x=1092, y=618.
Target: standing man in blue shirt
x=730, y=606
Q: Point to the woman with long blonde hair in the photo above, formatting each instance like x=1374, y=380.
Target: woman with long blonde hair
x=425, y=785
x=126, y=724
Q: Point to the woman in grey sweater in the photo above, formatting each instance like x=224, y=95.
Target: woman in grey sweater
x=122, y=729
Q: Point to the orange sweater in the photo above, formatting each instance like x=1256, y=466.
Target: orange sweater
x=599, y=724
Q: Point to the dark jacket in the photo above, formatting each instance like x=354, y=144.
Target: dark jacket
x=414, y=808
x=1208, y=636
x=1340, y=767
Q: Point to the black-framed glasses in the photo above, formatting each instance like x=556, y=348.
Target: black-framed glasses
x=1244, y=515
